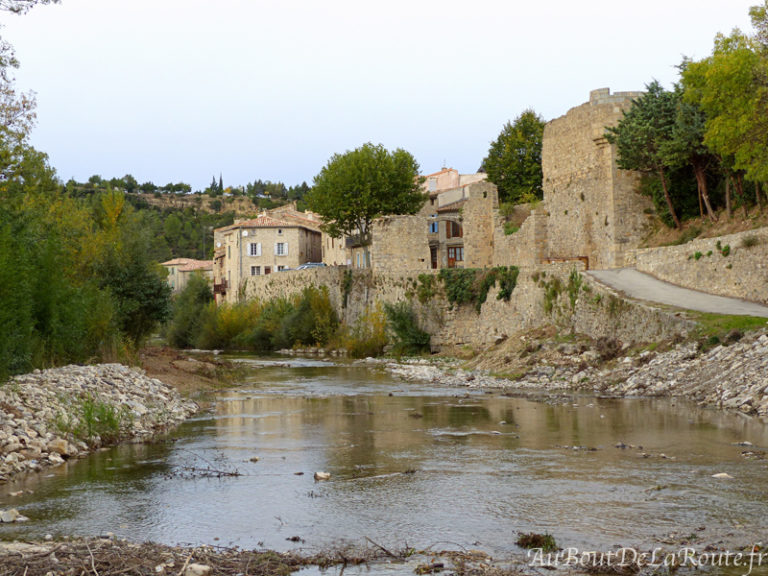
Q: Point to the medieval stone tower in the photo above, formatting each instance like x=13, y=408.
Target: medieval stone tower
x=593, y=208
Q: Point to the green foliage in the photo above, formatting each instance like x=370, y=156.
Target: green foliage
x=471, y=285
x=726, y=250
x=719, y=324
x=425, y=289
x=460, y=285
x=642, y=133
x=346, y=287
x=697, y=255
x=94, y=421
x=730, y=88
x=409, y=337
x=510, y=228
x=368, y=335
x=532, y=540
x=514, y=159
x=575, y=282
x=306, y=319
x=188, y=310
x=552, y=290
x=750, y=241
x=355, y=187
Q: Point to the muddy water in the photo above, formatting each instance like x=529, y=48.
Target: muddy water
x=416, y=465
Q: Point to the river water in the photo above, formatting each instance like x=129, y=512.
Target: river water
x=413, y=464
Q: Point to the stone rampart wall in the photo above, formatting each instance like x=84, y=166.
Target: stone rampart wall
x=596, y=311
x=700, y=265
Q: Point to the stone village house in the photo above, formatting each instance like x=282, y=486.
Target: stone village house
x=181, y=269
x=259, y=247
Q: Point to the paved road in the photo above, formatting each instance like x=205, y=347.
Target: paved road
x=645, y=287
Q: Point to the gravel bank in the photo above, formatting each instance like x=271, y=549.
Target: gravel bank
x=47, y=417
x=733, y=376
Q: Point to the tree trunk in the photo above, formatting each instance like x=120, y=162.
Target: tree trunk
x=701, y=202
x=701, y=180
x=757, y=197
x=728, y=197
x=740, y=192
x=668, y=198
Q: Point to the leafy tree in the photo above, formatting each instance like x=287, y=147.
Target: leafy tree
x=362, y=184
x=22, y=6
x=731, y=87
x=188, y=311
x=514, y=159
x=641, y=134
x=685, y=147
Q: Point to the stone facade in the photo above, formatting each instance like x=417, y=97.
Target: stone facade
x=743, y=273
x=180, y=271
x=262, y=246
x=482, y=203
x=594, y=208
x=400, y=243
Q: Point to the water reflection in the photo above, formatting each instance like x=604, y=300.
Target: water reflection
x=413, y=465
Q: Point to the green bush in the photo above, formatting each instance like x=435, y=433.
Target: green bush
x=409, y=337
x=188, y=312
x=303, y=320
x=471, y=285
x=368, y=336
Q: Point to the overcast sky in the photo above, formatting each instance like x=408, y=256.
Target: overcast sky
x=182, y=90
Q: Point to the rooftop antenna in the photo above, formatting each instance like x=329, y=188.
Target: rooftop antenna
x=445, y=164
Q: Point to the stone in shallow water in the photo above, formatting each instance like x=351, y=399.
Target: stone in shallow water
x=8, y=516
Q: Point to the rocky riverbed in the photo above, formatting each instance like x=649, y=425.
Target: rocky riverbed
x=49, y=416
x=732, y=375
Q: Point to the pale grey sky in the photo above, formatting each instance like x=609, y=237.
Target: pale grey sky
x=182, y=90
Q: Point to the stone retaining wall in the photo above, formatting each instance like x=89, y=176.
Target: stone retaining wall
x=700, y=265
x=597, y=311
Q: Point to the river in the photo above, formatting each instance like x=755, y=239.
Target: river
x=413, y=465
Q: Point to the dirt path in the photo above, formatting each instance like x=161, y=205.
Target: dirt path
x=642, y=286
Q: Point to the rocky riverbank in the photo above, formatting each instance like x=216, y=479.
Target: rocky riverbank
x=733, y=375
x=50, y=416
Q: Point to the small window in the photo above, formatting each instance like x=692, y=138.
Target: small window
x=279, y=231
x=453, y=230
x=255, y=270
x=280, y=268
x=267, y=270
x=456, y=253
x=281, y=249
x=254, y=249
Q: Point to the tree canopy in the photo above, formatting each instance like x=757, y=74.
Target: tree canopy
x=355, y=187
x=514, y=159
x=641, y=133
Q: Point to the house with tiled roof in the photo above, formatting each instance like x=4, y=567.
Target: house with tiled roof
x=447, y=190
x=261, y=246
x=181, y=269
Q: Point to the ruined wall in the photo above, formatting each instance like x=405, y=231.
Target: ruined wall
x=400, y=243
x=527, y=246
x=478, y=223
x=741, y=274
x=594, y=209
